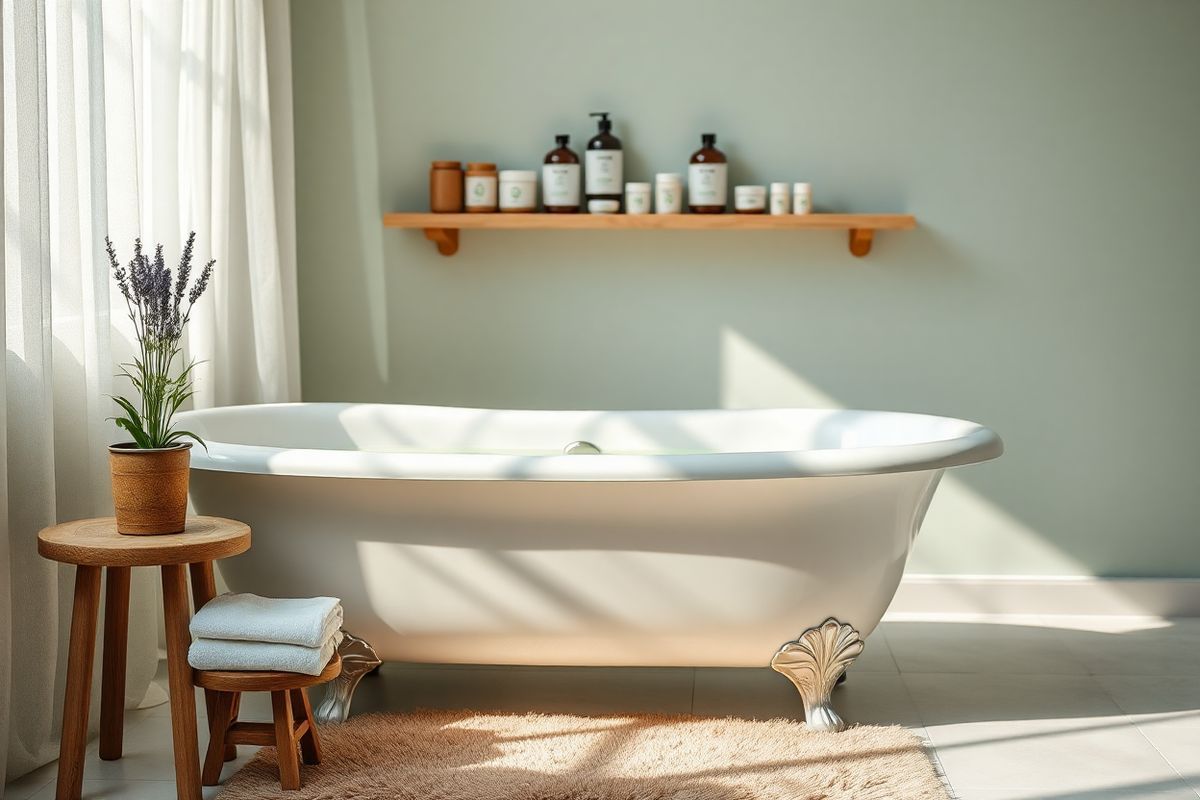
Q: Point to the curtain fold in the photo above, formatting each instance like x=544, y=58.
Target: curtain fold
x=125, y=118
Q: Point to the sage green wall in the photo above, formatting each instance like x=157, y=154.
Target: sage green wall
x=1048, y=149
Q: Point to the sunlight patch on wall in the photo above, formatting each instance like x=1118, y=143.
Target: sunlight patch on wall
x=753, y=378
x=960, y=520
x=962, y=526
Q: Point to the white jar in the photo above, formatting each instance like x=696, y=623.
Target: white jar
x=637, y=198
x=518, y=190
x=781, y=199
x=801, y=198
x=603, y=206
x=668, y=193
x=749, y=199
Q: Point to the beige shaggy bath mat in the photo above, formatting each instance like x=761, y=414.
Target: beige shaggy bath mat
x=458, y=755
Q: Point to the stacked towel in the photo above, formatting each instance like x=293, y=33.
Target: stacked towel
x=237, y=655
x=246, y=632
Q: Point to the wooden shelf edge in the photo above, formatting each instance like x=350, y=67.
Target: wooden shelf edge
x=443, y=229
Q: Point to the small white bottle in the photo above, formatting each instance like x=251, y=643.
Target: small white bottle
x=781, y=199
x=802, y=198
x=668, y=193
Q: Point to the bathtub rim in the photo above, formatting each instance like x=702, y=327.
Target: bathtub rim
x=975, y=445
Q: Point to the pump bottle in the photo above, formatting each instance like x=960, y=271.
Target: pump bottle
x=603, y=174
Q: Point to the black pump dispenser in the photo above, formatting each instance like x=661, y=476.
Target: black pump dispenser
x=603, y=173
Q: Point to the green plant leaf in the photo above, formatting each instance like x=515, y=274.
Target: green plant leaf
x=139, y=436
x=129, y=409
x=178, y=399
x=178, y=434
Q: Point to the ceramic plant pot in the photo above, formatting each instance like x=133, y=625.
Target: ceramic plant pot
x=150, y=487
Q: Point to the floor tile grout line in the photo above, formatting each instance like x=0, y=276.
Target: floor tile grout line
x=1149, y=741
x=926, y=738
x=38, y=789
x=1047, y=623
x=912, y=700
x=882, y=631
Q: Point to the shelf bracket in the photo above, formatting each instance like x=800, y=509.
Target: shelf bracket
x=446, y=239
x=860, y=241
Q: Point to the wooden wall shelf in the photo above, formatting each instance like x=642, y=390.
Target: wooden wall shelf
x=442, y=229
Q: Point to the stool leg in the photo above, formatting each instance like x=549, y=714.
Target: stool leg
x=285, y=740
x=230, y=748
x=112, y=681
x=219, y=722
x=179, y=675
x=82, y=650
x=204, y=588
x=310, y=745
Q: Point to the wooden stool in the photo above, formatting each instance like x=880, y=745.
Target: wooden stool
x=294, y=725
x=94, y=545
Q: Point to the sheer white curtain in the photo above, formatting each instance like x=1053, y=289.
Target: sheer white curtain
x=126, y=118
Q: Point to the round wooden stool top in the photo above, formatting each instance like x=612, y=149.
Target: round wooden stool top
x=228, y=681
x=96, y=543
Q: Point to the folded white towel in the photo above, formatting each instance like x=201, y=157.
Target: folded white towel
x=301, y=621
x=224, y=654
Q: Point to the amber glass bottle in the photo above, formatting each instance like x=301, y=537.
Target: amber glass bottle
x=603, y=173
x=560, y=178
x=706, y=178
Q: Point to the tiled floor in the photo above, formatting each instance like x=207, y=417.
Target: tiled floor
x=1014, y=708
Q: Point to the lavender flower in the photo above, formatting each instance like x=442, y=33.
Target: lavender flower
x=119, y=272
x=154, y=297
x=201, y=282
x=185, y=267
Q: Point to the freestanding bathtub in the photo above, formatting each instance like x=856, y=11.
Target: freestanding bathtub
x=692, y=538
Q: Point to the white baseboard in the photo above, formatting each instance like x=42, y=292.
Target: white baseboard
x=1047, y=594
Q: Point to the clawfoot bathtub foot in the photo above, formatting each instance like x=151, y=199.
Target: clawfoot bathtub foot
x=358, y=658
x=814, y=662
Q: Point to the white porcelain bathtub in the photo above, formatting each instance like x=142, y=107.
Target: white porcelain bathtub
x=701, y=538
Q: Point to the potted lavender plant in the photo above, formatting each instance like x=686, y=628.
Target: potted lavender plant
x=150, y=473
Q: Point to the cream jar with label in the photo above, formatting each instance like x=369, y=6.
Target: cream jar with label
x=518, y=190
x=481, y=190
x=749, y=199
x=802, y=198
x=780, y=201
x=668, y=193
x=637, y=198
